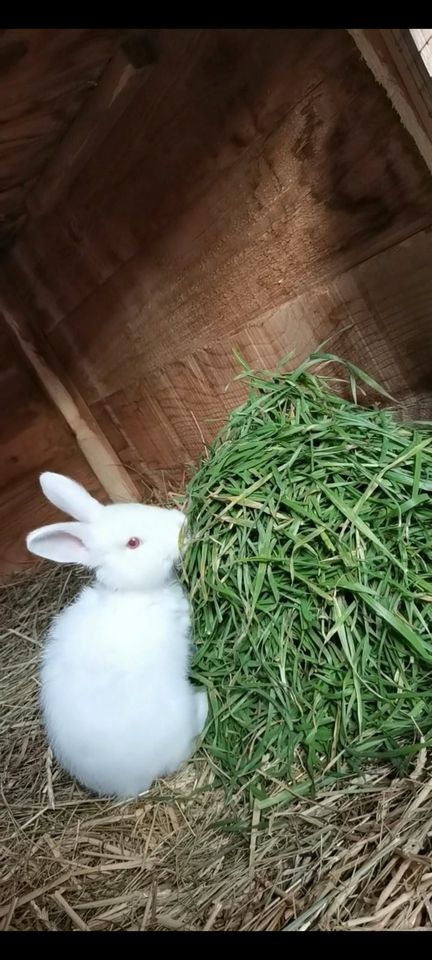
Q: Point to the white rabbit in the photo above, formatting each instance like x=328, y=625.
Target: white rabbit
x=118, y=707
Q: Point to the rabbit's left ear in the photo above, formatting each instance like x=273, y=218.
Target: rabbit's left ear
x=62, y=542
x=70, y=497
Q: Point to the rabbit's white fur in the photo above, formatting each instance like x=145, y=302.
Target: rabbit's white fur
x=117, y=703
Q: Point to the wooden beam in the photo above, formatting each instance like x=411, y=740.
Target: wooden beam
x=121, y=80
x=92, y=442
x=423, y=42
x=397, y=66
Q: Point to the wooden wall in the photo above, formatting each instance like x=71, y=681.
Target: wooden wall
x=259, y=193
x=33, y=437
x=45, y=77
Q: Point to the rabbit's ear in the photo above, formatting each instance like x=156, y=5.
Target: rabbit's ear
x=70, y=497
x=62, y=542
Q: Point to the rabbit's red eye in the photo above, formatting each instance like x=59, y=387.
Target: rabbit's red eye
x=133, y=543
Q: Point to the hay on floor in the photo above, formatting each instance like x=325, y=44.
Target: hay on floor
x=358, y=856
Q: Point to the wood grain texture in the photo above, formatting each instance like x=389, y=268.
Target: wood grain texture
x=45, y=77
x=423, y=43
x=260, y=193
x=397, y=65
x=118, y=84
x=170, y=413
x=257, y=172
x=33, y=438
x=91, y=441
x=239, y=154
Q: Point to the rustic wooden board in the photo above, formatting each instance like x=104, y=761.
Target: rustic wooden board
x=45, y=77
x=61, y=391
x=398, y=66
x=169, y=413
x=32, y=438
x=272, y=156
x=259, y=193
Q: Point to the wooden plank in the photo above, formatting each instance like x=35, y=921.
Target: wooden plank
x=395, y=64
x=253, y=232
x=91, y=441
x=423, y=42
x=30, y=428
x=108, y=213
x=121, y=80
x=175, y=410
x=225, y=281
x=208, y=106
x=276, y=192
x=33, y=438
x=46, y=75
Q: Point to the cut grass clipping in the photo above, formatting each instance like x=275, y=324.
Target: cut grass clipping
x=310, y=569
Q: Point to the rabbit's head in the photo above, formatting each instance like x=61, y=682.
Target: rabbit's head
x=130, y=546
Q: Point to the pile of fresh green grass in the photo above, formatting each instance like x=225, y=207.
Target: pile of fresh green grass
x=310, y=571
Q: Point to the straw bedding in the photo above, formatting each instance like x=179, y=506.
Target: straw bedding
x=358, y=856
